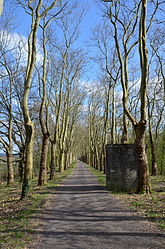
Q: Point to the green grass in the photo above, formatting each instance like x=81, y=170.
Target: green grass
x=16, y=223
x=100, y=175
x=137, y=204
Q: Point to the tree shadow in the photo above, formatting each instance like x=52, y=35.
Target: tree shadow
x=89, y=233
x=75, y=189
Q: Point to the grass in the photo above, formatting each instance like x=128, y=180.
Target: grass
x=151, y=205
x=15, y=215
x=100, y=175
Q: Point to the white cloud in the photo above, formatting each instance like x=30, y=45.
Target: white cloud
x=92, y=87
x=89, y=85
x=18, y=45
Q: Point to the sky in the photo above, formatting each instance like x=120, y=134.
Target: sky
x=91, y=19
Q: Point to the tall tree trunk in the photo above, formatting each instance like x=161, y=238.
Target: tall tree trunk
x=97, y=158
x=140, y=128
x=21, y=163
x=162, y=153
x=71, y=158
x=29, y=127
x=10, y=179
x=10, y=170
x=21, y=170
x=62, y=161
x=28, y=159
x=52, y=161
x=102, y=161
x=65, y=160
x=113, y=117
x=124, y=138
x=36, y=15
x=42, y=180
x=154, y=169
x=143, y=174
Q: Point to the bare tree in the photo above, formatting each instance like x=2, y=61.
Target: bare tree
x=37, y=10
x=44, y=104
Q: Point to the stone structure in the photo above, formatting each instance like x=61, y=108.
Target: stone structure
x=121, y=167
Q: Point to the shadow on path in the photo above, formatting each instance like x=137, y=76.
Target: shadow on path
x=90, y=233
x=81, y=214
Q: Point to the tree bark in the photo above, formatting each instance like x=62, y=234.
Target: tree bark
x=52, y=162
x=143, y=174
x=62, y=161
x=21, y=164
x=154, y=169
x=42, y=180
x=10, y=170
x=65, y=160
x=162, y=152
x=10, y=179
x=140, y=128
x=124, y=138
x=113, y=116
x=29, y=127
x=28, y=159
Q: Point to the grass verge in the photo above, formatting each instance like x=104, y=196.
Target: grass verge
x=151, y=205
x=100, y=175
x=15, y=215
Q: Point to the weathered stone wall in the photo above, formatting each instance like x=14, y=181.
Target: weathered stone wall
x=121, y=167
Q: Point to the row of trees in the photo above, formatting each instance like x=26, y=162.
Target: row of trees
x=131, y=104
x=40, y=96
x=46, y=114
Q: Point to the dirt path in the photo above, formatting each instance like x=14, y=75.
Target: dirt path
x=83, y=215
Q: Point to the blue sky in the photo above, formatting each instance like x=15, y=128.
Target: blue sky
x=92, y=18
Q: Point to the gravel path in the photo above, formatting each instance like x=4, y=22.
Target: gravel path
x=83, y=215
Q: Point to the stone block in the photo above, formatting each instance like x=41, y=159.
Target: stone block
x=121, y=167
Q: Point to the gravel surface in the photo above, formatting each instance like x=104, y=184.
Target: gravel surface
x=83, y=215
